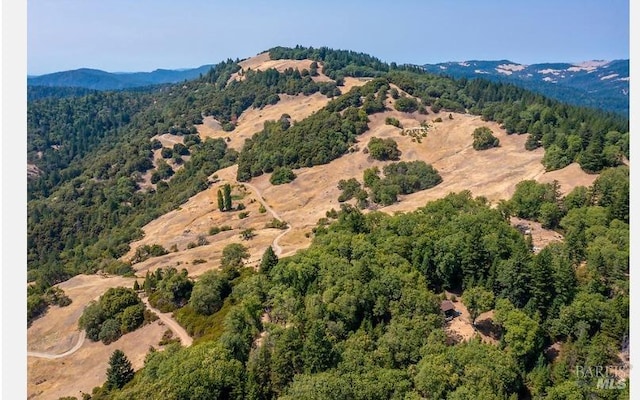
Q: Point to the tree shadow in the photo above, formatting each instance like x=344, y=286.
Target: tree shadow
x=489, y=329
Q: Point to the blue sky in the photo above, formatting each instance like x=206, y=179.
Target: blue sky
x=142, y=35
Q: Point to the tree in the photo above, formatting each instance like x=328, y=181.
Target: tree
x=483, y=139
x=136, y=285
x=110, y=331
x=233, y=254
x=220, y=200
x=227, y=197
x=166, y=152
x=209, y=293
x=282, y=175
x=478, y=300
x=383, y=149
x=269, y=260
x=120, y=371
x=247, y=234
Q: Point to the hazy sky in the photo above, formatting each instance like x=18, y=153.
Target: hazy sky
x=142, y=35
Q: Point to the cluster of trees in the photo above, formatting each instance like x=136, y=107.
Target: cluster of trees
x=225, y=202
x=118, y=311
x=147, y=251
x=406, y=104
x=483, y=139
x=168, y=289
x=318, y=139
x=336, y=64
x=357, y=316
x=383, y=149
x=40, y=297
x=399, y=178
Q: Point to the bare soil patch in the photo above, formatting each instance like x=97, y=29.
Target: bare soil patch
x=460, y=328
x=540, y=236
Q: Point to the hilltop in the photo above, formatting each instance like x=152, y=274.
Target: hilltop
x=366, y=241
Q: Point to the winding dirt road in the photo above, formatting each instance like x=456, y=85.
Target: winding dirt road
x=276, y=247
x=171, y=323
x=72, y=350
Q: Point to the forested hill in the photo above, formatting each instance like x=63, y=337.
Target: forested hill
x=355, y=316
x=596, y=84
x=100, y=80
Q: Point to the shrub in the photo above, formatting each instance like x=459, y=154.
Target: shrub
x=483, y=139
x=383, y=149
x=277, y=224
x=406, y=104
x=393, y=121
x=282, y=175
x=243, y=215
x=166, y=152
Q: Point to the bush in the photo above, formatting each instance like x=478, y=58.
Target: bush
x=400, y=178
x=247, y=234
x=383, y=149
x=406, y=104
x=166, y=152
x=209, y=293
x=483, y=139
x=145, y=252
x=349, y=189
x=233, y=254
x=282, y=175
x=277, y=224
x=243, y=215
x=393, y=121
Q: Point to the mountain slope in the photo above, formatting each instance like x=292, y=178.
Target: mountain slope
x=595, y=84
x=101, y=80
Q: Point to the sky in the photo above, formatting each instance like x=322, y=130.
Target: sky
x=143, y=35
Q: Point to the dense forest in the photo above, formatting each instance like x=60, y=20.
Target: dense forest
x=355, y=316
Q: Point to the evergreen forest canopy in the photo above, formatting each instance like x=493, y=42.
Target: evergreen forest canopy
x=356, y=315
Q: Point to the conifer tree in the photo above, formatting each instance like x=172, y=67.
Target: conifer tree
x=120, y=370
x=227, y=197
x=220, y=200
x=269, y=260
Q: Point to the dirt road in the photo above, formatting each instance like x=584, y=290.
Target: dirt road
x=171, y=323
x=72, y=350
x=276, y=247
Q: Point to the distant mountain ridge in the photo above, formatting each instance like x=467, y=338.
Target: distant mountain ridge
x=102, y=80
x=597, y=83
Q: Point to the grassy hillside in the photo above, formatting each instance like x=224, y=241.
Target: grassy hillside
x=357, y=314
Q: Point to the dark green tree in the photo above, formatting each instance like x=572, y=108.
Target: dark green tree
x=120, y=371
x=269, y=260
x=220, y=200
x=233, y=254
x=227, y=197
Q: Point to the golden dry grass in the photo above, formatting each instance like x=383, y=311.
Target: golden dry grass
x=57, y=331
x=491, y=173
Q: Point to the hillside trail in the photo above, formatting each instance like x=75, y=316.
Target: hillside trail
x=168, y=320
x=277, y=249
x=72, y=350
